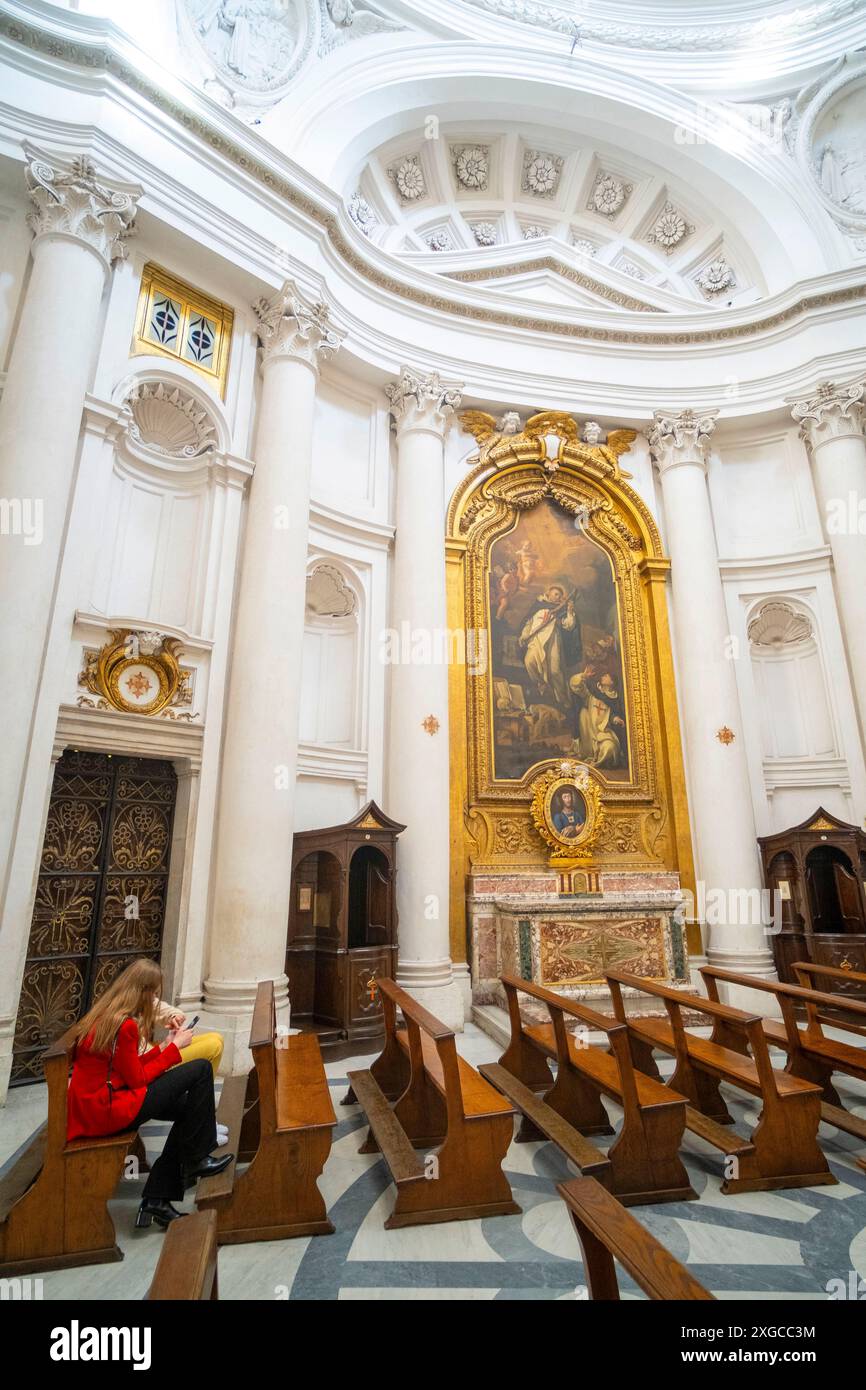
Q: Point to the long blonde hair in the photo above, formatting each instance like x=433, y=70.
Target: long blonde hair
x=133, y=994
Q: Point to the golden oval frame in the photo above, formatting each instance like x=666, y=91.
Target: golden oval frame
x=545, y=787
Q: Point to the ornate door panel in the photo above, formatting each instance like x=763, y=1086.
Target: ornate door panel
x=100, y=897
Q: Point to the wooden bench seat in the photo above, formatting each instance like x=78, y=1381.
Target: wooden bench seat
x=606, y=1231
x=477, y=1096
x=54, y=1197
x=280, y=1121
x=445, y=1107
x=783, y=1149
x=643, y=1163
x=187, y=1264
x=602, y=1068
x=728, y=1064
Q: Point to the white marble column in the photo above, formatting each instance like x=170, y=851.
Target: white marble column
x=252, y=878
x=726, y=854
x=79, y=223
x=833, y=427
x=418, y=762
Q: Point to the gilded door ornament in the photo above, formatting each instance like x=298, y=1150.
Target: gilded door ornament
x=138, y=673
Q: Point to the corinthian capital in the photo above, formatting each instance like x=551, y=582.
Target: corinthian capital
x=834, y=412
x=291, y=326
x=70, y=201
x=420, y=402
x=681, y=439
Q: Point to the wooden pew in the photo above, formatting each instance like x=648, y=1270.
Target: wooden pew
x=783, y=1150
x=607, y=1231
x=811, y=1055
x=279, y=1120
x=446, y=1107
x=819, y=977
x=54, y=1198
x=187, y=1264
x=643, y=1163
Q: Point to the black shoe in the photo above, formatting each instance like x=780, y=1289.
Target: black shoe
x=163, y=1213
x=207, y=1168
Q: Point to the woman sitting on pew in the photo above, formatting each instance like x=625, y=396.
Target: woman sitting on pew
x=115, y=1087
x=207, y=1045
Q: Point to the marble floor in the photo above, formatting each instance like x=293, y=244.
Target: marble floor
x=778, y=1245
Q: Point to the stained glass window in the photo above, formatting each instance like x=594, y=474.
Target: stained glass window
x=175, y=320
x=200, y=340
x=164, y=320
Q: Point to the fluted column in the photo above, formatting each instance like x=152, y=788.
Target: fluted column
x=719, y=789
x=79, y=224
x=257, y=788
x=418, y=764
x=833, y=428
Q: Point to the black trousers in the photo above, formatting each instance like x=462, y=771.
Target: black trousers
x=185, y=1095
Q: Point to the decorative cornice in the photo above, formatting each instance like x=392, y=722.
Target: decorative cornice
x=680, y=439
x=422, y=402
x=69, y=201
x=553, y=263
x=668, y=38
x=834, y=412
x=290, y=326
x=98, y=57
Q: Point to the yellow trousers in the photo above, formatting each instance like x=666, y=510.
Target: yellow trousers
x=207, y=1045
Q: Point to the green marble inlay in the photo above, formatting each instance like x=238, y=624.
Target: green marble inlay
x=679, y=949
x=524, y=941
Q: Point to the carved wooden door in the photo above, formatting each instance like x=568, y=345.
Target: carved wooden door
x=101, y=893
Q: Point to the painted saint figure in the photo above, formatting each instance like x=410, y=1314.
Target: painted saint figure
x=601, y=726
x=550, y=636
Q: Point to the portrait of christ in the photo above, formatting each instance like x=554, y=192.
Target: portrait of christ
x=568, y=812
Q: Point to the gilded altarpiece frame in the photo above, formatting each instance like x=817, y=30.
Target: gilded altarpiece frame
x=645, y=827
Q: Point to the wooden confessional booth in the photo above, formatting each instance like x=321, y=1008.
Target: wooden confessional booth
x=819, y=868
x=343, y=927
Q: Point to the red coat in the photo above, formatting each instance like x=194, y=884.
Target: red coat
x=92, y=1110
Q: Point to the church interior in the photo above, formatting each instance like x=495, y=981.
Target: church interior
x=432, y=558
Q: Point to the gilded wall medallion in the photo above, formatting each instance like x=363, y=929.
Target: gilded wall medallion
x=137, y=672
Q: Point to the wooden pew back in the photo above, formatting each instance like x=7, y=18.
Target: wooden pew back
x=788, y=996
x=606, y=1230
x=187, y=1264
x=748, y=1024
x=279, y=1120
x=807, y=972
x=432, y=1048
x=558, y=1006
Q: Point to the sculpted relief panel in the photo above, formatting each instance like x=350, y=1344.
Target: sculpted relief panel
x=839, y=150
x=255, y=46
